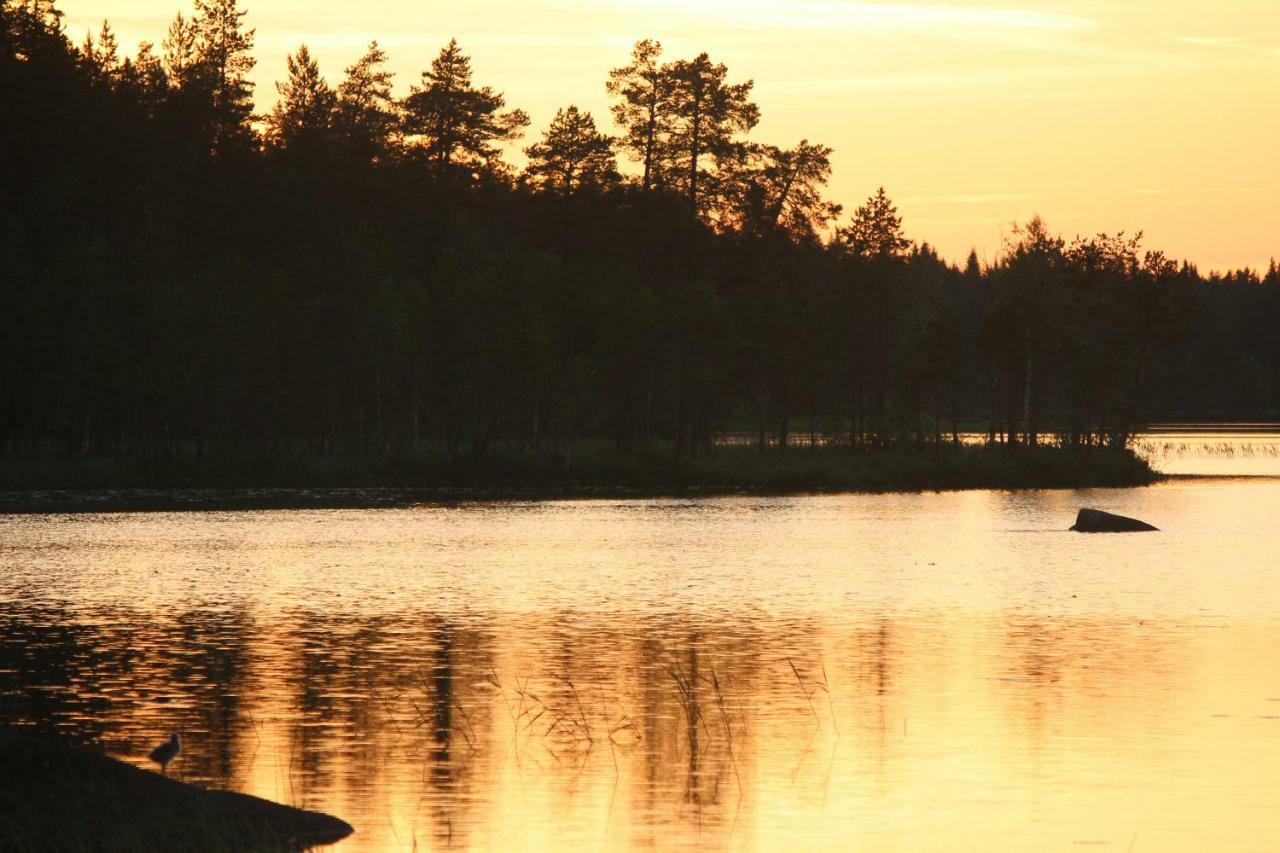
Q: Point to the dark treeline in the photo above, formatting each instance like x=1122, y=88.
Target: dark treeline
x=361, y=272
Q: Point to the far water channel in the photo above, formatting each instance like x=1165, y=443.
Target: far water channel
x=948, y=671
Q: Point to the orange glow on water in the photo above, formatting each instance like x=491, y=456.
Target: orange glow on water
x=893, y=672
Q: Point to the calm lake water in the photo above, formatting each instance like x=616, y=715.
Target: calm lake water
x=893, y=672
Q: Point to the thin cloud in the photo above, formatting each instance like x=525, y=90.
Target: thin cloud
x=1223, y=41
x=967, y=198
x=423, y=40
x=1003, y=81
x=1264, y=44
x=874, y=17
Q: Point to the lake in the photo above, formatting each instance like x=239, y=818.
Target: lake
x=948, y=671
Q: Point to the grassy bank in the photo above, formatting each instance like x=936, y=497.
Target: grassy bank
x=583, y=470
x=56, y=796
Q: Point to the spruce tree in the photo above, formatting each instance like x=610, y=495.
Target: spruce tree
x=876, y=229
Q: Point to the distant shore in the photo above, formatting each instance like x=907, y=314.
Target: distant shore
x=287, y=482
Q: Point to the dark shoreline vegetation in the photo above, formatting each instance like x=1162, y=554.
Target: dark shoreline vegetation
x=357, y=289
x=361, y=482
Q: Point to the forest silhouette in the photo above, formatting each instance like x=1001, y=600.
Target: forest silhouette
x=359, y=273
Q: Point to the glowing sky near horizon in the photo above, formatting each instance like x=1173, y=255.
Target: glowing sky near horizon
x=1100, y=115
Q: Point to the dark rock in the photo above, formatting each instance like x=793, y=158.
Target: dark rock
x=1097, y=521
x=57, y=796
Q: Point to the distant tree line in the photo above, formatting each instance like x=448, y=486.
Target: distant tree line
x=361, y=272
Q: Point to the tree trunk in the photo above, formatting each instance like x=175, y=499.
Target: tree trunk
x=650, y=133
x=1027, y=393
x=695, y=147
x=762, y=440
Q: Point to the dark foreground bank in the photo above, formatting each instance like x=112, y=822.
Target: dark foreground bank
x=283, y=482
x=54, y=796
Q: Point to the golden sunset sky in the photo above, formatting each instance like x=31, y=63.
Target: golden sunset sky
x=1101, y=115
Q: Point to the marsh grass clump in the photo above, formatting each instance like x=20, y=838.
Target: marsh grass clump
x=810, y=687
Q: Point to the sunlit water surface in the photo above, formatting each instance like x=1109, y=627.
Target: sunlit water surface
x=894, y=672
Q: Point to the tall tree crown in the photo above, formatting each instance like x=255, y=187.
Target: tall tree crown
x=102, y=57
x=456, y=123
x=304, y=115
x=367, y=112
x=642, y=89
x=572, y=153
x=181, y=52
x=876, y=229
x=708, y=117
x=226, y=53
x=685, y=122
x=782, y=191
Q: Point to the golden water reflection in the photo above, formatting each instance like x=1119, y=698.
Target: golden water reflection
x=885, y=672
x=570, y=730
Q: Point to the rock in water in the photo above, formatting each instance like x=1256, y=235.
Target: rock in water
x=1097, y=521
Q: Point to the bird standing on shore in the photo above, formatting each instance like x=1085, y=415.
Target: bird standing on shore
x=166, y=752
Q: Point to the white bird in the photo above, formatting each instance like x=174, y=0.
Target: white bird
x=166, y=752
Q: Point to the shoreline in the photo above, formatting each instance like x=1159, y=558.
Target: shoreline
x=55, y=794
x=43, y=487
